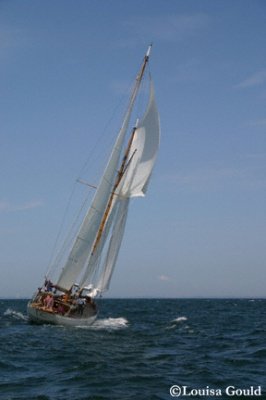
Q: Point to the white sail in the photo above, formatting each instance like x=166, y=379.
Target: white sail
x=143, y=152
x=114, y=245
x=82, y=248
x=94, y=262
x=141, y=160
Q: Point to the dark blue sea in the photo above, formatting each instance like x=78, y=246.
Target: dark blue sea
x=138, y=349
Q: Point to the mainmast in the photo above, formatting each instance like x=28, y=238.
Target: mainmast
x=139, y=78
x=119, y=177
x=125, y=161
x=94, y=223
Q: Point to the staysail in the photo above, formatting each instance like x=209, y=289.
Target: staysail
x=95, y=249
x=114, y=246
x=81, y=249
x=143, y=151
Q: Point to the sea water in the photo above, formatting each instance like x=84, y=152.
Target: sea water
x=137, y=349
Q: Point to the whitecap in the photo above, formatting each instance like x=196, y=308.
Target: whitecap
x=15, y=314
x=171, y=327
x=176, y=321
x=108, y=324
x=113, y=323
x=179, y=319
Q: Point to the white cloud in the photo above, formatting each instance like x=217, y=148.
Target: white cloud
x=164, y=278
x=8, y=207
x=256, y=79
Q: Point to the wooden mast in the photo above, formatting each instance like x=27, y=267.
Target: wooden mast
x=124, y=164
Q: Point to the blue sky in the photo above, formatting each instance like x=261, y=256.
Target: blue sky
x=64, y=65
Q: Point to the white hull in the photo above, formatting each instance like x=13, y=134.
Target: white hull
x=40, y=316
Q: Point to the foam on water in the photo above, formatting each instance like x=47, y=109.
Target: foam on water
x=175, y=322
x=179, y=319
x=108, y=324
x=15, y=314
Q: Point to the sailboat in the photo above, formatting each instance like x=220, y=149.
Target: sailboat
x=88, y=269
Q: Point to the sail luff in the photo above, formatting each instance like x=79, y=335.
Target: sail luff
x=145, y=144
x=81, y=250
x=114, y=245
x=95, y=258
x=117, y=182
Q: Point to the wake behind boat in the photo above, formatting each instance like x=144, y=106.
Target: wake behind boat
x=89, y=266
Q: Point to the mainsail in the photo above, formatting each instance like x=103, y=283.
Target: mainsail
x=95, y=250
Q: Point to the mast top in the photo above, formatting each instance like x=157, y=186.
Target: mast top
x=149, y=51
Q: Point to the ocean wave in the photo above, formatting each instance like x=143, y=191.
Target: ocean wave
x=179, y=319
x=149, y=346
x=108, y=324
x=175, y=322
x=15, y=314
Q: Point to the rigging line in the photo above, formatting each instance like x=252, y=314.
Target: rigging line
x=86, y=164
x=70, y=235
x=104, y=131
x=86, y=183
x=135, y=85
x=50, y=263
x=142, y=101
x=121, y=171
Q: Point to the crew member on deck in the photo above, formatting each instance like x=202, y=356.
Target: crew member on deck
x=81, y=305
x=90, y=301
x=49, y=302
x=48, y=286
